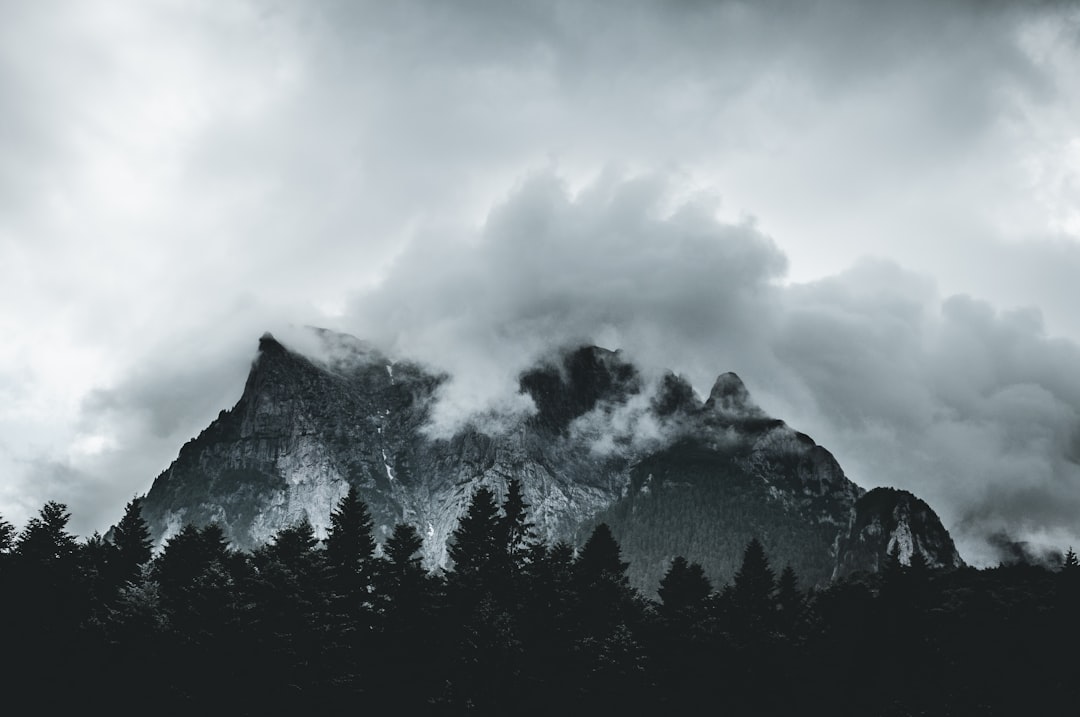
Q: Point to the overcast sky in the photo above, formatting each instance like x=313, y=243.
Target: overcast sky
x=870, y=211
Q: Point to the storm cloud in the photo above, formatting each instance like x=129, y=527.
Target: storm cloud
x=870, y=211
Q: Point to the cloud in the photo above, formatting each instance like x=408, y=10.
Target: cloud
x=974, y=409
x=551, y=267
x=473, y=182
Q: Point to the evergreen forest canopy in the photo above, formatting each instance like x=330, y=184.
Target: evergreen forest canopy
x=516, y=627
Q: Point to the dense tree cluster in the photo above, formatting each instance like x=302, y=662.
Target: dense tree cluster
x=514, y=627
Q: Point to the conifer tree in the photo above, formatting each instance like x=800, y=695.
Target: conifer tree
x=515, y=523
x=790, y=600
x=752, y=592
x=45, y=539
x=754, y=582
x=131, y=537
x=7, y=537
x=294, y=545
x=350, y=545
x=402, y=587
x=403, y=547
x=602, y=557
x=475, y=545
x=684, y=587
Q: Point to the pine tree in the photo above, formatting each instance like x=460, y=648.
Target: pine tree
x=131, y=537
x=402, y=548
x=754, y=581
x=403, y=580
x=350, y=545
x=1070, y=562
x=45, y=539
x=475, y=545
x=601, y=557
x=515, y=523
x=684, y=587
x=350, y=579
x=605, y=598
x=752, y=593
x=789, y=599
x=48, y=603
x=294, y=545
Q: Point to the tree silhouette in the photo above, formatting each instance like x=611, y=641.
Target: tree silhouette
x=349, y=554
x=475, y=546
x=684, y=587
x=752, y=593
x=131, y=537
x=790, y=601
x=516, y=526
x=754, y=582
x=45, y=539
x=601, y=557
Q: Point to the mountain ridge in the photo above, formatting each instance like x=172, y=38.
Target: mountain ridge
x=671, y=473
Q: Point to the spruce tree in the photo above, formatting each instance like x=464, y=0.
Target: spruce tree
x=601, y=557
x=516, y=527
x=790, y=600
x=476, y=545
x=752, y=592
x=349, y=554
x=684, y=587
x=45, y=539
x=131, y=538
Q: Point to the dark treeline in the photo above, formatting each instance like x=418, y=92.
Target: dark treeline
x=516, y=628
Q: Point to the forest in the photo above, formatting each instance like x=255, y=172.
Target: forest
x=515, y=627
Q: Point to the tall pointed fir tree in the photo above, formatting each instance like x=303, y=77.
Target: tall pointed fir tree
x=131, y=539
x=349, y=560
x=752, y=591
x=350, y=549
x=516, y=526
x=683, y=589
x=476, y=546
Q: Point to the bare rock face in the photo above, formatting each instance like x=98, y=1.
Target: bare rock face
x=671, y=475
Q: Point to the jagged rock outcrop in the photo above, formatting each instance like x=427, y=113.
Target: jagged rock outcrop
x=670, y=473
x=887, y=519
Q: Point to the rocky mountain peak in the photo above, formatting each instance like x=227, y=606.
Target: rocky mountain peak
x=674, y=395
x=575, y=381
x=886, y=519
x=268, y=344
x=730, y=397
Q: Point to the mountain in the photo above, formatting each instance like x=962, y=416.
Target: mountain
x=670, y=473
x=887, y=519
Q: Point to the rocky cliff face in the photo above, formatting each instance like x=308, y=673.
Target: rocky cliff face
x=887, y=519
x=671, y=474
